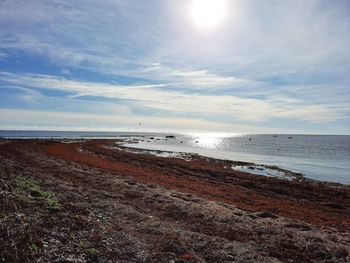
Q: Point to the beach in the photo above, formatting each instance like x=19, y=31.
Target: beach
x=95, y=201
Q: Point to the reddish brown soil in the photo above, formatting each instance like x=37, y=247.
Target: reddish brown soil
x=309, y=202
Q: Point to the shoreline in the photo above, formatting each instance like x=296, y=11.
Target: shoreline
x=168, y=205
x=312, y=167
x=289, y=175
x=273, y=169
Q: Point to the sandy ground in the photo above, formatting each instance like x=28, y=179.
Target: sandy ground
x=88, y=202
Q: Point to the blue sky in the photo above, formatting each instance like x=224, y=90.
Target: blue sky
x=268, y=66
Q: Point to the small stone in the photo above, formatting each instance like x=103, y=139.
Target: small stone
x=35, y=193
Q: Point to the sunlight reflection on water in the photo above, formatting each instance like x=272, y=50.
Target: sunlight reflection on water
x=209, y=140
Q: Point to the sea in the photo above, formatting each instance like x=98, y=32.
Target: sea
x=319, y=157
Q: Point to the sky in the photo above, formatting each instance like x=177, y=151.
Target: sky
x=264, y=67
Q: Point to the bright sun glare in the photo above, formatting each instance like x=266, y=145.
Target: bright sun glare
x=207, y=13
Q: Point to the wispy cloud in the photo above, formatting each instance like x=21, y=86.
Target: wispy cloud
x=3, y=55
x=179, y=103
x=39, y=120
x=191, y=78
x=317, y=113
x=268, y=63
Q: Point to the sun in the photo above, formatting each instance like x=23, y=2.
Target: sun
x=207, y=13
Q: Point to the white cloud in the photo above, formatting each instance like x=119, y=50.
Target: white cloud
x=27, y=95
x=317, y=113
x=191, y=79
x=38, y=120
x=179, y=103
x=77, y=88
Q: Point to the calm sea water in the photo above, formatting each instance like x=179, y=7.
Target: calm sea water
x=321, y=157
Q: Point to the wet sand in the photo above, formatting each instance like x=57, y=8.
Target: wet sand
x=118, y=206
